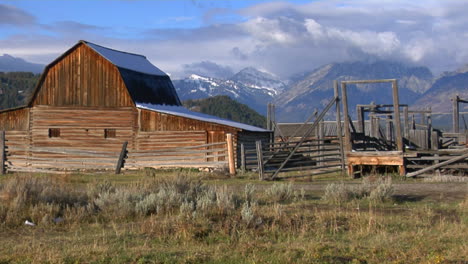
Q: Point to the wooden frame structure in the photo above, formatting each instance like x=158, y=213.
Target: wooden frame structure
x=370, y=157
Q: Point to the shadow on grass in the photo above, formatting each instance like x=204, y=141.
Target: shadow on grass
x=408, y=198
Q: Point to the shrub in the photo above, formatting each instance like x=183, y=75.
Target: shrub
x=247, y=212
x=380, y=190
x=337, y=193
x=249, y=191
x=280, y=192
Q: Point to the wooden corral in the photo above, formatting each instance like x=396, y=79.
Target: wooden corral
x=91, y=101
x=391, y=136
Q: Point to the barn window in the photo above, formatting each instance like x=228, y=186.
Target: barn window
x=109, y=133
x=54, y=132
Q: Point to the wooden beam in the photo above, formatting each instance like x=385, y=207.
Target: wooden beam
x=396, y=115
x=242, y=158
x=258, y=145
x=436, y=166
x=368, y=81
x=338, y=124
x=360, y=115
x=406, y=120
x=455, y=115
x=230, y=149
x=347, y=133
x=120, y=162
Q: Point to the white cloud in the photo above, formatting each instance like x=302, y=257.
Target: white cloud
x=282, y=37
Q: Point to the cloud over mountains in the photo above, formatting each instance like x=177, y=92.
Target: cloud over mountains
x=281, y=37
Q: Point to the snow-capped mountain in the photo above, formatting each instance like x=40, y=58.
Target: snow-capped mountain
x=249, y=86
x=256, y=79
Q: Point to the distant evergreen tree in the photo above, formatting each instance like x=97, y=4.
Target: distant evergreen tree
x=225, y=107
x=16, y=88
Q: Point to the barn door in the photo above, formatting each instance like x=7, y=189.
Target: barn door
x=215, y=137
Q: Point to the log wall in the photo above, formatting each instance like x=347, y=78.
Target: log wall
x=155, y=121
x=83, y=128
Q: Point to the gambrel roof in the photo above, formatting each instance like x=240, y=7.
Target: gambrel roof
x=145, y=82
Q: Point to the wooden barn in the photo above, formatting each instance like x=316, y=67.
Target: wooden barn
x=92, y=99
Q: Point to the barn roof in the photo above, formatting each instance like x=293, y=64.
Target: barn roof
x=144, y=81
x=184, y=112
x=129, y=61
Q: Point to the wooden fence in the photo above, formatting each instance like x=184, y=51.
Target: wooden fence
x=312, y=157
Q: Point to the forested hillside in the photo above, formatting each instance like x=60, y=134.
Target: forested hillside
x=15, y=88
x=225, y=107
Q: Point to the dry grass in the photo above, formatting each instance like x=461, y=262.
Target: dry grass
x=181, y=219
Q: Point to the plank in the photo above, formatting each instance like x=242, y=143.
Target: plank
x=435, y=166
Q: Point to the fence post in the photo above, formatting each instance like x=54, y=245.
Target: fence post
x=2, y=152
x=230, y=149
x=242, y=158
x=258, y=145
x=120, y=162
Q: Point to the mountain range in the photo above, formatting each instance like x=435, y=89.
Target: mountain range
x=297, y=97
x=9, y=63
x=249, y=86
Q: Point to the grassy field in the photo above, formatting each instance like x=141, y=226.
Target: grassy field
x=191, y=217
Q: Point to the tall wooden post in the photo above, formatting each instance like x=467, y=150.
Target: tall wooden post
x=230, y=149
x=455, y=115
x=258, y=146
x=360, y=115
x=406, y=121
x=347, y=133
x=242, y=158
x=321, y=142
x=396, y=114
x=2, y=152
x=388, y=129
x=339, y=131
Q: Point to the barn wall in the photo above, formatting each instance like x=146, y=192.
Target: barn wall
x=15, y=119
x=83, y=78
x=16, y=143
x=83, y=128
x=155, y=121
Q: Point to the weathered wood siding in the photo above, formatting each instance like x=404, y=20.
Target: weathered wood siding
x=16, y=142
x=83, y=128
x=15, y=119
x=155, y=121
x=157, y=140
x=83, y=78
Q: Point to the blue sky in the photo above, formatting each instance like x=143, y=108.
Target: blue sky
x=281, y=37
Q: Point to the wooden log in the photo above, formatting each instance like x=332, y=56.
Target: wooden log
x=120, y=161
x=436, y=166
x=338, y=124
x=396, y=115
x=258, y=144
x=242, y=158
x=230, y=150
x=455, y=115
x=347, y=134
x=406, y=121
x=2, y=152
